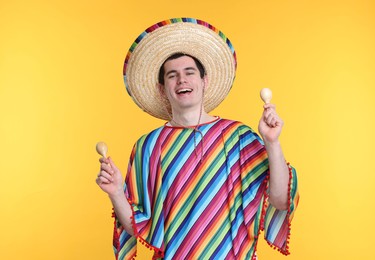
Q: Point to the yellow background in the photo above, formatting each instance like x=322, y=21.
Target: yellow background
x=61, y=91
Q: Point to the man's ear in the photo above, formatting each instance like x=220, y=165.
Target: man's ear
x=161, y=89
x=205, y=81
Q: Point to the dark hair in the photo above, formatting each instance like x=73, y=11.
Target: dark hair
x=177, y=55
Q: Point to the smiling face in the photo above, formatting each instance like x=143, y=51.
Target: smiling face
x=183, y=85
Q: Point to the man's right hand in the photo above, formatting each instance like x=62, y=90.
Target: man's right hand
x=110, y=179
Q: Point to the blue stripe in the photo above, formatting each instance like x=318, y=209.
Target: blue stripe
x=199, y=205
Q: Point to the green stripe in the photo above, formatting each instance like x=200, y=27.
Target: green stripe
x=254, y=173
x=216, y=239
x=138, y=169
x=175, y=148
x=199, y=187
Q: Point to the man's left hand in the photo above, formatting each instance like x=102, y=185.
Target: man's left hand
x=270, y=124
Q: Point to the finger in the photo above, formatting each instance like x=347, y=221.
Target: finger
x=101, y=180
x=112, y=164
x=106, y=167
x=270, y=112
x=268, y=115
x=270, y=120
x=105, y=180
x=273, y=122
x=105, y=177
x=269, y=106
x=103, y=160
x=279, y=122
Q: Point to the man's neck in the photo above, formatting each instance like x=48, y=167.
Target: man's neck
x=191, y=118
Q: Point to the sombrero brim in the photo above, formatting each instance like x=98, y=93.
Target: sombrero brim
x=160, y=41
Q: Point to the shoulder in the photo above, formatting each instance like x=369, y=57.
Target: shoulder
x=239, y=129
x=235, y=125
x=150, y=137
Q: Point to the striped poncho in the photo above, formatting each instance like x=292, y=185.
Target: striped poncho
x=202, y=194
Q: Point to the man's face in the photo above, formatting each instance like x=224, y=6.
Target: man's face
x=183, y=85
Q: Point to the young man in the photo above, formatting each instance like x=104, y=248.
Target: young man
x=199, y=187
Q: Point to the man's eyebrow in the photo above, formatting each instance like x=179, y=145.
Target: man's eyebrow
x=170, y=72
x=190, y=68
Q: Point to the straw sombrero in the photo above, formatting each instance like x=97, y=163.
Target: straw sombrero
x=187, y=35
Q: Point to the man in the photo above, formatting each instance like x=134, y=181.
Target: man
x=199, y=187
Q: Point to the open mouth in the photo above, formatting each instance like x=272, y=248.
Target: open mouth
x=184, y=91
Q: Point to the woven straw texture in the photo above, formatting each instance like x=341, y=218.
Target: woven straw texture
x=156, y=44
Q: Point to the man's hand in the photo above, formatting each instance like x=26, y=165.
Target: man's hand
x=110, y=178
x=270, y=124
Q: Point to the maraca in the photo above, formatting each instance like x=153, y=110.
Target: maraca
x=102, y=149
x=266, y=95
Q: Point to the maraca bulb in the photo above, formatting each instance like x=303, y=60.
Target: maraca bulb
x=266, y=95
x=102, y=149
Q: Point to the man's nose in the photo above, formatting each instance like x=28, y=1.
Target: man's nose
x=181, y=79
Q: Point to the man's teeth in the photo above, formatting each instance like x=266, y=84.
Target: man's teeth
x=184, y=90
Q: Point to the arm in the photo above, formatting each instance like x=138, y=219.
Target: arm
x=111, y=182
x=270, y=126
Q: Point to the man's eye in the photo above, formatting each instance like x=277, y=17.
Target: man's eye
x=171, y=76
